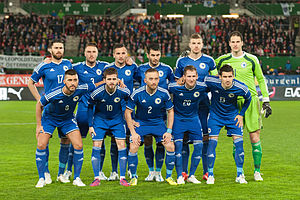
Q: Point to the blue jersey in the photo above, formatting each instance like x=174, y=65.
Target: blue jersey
x=127, y=74
x=186, y=101
x=150, y=107
x=166, y=75
x=204, y=65
x=224, y=102
x=52, y=74
x=107, y=106
x=62, y=106
x=89, y=75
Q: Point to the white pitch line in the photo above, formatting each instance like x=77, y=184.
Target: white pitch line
x=16, y=124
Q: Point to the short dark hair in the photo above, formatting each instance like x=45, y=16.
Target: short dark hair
x=150, y=70
x=55, y=41
x=70, y=72
x=118, y=45
x=195, y=36
x=235, y=33
x=189, y=68
x=91, y=44
x=225, y=68
x=153, y=46
x=110, y=71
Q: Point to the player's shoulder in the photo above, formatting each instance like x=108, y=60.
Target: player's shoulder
x=77, y=65
x=110, y=65
x=251, y=57
x=66, y=61
x=210, y=78
x=98, y=90
x=82, y=87
x=207, y=57
x=100, y=62
x=126, y=90
x=166, y=66
x=173, y=85
x=53, y=93
x=143, y=65
x=200, y=83
x=240, y=85
x=138, y=91
x=225, y=56
x=40, y=66
x=163, y=90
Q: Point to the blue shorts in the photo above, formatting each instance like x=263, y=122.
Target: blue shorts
x=82, y=119
x=190, y=126
x=157, y=130
x=65, y=126
x=215, y=125
x=101, y=126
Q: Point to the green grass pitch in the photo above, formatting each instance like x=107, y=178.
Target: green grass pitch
x=280, y=164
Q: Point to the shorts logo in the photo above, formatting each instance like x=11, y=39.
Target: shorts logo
x=98, y=71
x=196, y=94
x=161, y=73
x=157, y=100
x=202, y=65
x=65, y=68
x=76, y=98
x=117, y=99
x=127, y=72
x=243, y=65
x=231, y=95
x=209, y=130
x=67, y=107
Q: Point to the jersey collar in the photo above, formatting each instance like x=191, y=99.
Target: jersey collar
x=191, y=88
x=149, y=93
x=110, y=93
x=239, y=56
x=196, y=58
x=153, y=67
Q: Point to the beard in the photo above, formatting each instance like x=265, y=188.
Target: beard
x=57, y=57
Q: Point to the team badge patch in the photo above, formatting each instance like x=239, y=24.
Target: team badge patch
x=157, y=100
x=209, y=130
x=75, y=98
x=202, y=65
x=65, y=68
x=98, y=71
x=244, y=65
x=117, y=99
x=127, y=72
x=231, y=95
x=67, y=107
x=161, y=73
x=196, y=94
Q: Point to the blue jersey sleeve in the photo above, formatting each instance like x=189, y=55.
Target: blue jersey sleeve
x=137, y=76
x=44, y=101
x=212, y=64
x=90, y=112
x=168, y=102
x=38, y=72
x=179, y=68
x=131, y=103
x=171, y=76
x=247, y=97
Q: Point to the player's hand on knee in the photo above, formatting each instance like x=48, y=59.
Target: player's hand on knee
x=135, y=124
x=239, y=120
x=167, y=137
x=92, y=131
x=39, y=130
x=266, y=107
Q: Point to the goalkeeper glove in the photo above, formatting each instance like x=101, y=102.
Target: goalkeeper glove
x=266, y=107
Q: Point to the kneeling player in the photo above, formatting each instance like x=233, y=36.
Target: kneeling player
x=151, y=101
x=224, y=112
x=108, y=116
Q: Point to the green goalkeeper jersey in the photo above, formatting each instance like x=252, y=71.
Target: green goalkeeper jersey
x=246, y=69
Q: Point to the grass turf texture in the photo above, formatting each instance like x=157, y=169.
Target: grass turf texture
x=280, y=165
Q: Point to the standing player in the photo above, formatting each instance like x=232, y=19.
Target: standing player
x=186, y=100
x=53, y=75
x=204, y=65
x=247, y=68
x=151, y=102
x=166, y=76
x=106, y=114
x=224, y=112
x=59, y=105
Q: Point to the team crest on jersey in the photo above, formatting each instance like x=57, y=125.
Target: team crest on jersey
x=65, y=68
x=231, y=95
x=157, y=100
x=98, y=71
x=76, y=98
x=117, y=99
x=196, y=94
x=202, y=65
x=67, y=107
x=244, y=65
x=161, y=73
x=209, y=130
x=127, y=72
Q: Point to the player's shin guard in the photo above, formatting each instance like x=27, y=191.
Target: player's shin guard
x=114, y=156
x=211, y=155
x=63, y=158
x=132, y=163
x=70, y=158
x=196, y=157
x=149, y=155
x=159, y=156
x=185, y=157
x=204, y=156
x=257, y=154
x=178, y=157
x=78, y=160
x=40, y=159
x=47, y=159
x=96, y=160
x=239, y=155
x=102, y=155
x=122, y=158
x=170, y=162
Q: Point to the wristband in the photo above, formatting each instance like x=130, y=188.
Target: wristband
x=169, y=130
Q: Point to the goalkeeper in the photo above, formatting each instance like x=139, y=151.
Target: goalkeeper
x=246, y=68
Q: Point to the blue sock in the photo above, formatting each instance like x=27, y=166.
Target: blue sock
x=211, y=155
x=149, y=155
x=102, y=156
x=170, y=162
x=239, y=155
x=159, y=156
x=196, y=157
x=40, y=159
x=178, y=157
x=63, y=158
x=114, y=156
x=47, y=159
x=204, y=156
x=70, y=158
x=78, y=160
x=96, y=160
x=122, y=158
x=185, y=157
x=132, y=163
